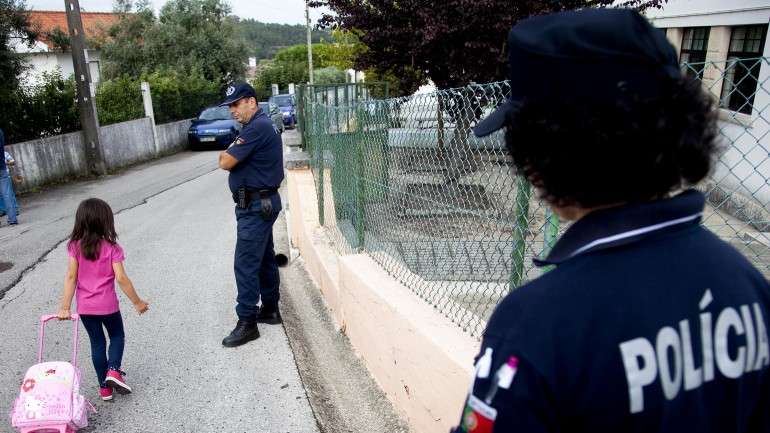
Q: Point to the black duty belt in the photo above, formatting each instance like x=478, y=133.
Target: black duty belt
x=257, y=193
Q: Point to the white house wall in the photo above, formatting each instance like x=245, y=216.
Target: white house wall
x=745, y=165
x=42, y=62
x=692, y=13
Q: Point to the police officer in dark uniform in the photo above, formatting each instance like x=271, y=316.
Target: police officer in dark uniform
x=255, y=163
x=648, y=322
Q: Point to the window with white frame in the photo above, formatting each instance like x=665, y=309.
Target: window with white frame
x=741, y=76
x=695, y=42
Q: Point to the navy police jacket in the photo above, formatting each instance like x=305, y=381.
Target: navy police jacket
x=259, y=152
x=648, y=323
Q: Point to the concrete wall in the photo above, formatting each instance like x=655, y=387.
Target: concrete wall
x=48, y=160
x=172, y=137
x=127, y=143
x=62, y=157
x=421, y=360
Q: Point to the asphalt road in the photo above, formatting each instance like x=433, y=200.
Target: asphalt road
x=175, y=222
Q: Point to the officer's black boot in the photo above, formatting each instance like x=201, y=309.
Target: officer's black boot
x=244, y=332
x=270, y=314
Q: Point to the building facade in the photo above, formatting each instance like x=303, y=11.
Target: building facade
x=725, y=45
x=45, y=56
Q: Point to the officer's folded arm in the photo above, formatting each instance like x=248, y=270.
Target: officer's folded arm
x=227, y=161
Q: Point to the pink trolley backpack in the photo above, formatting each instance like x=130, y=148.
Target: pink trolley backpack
x=49, y=400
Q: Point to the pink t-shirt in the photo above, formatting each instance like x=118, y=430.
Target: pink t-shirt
x=95, y=291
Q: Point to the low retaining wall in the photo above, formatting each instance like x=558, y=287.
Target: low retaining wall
x=127, y=143
x=48, y=160
x=419, y=358
x=172, y=137
x=62, y=157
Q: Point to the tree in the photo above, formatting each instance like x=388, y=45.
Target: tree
x=290, y=64
x=459, y=42
x=329, y=75
x=15, y=31
x=187, y=35
x=60, y=40
x=263, y=40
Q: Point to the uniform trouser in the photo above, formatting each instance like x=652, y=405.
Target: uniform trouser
x=6, y=192
x=256, y=271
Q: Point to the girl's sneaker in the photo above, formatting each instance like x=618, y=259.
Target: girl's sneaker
x=115, y=381
x=105, y=393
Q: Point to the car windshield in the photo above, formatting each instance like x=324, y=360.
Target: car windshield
x=282, y=101
x=216, y=113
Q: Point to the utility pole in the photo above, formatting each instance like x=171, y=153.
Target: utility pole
x=85, y=89
x=309, y=45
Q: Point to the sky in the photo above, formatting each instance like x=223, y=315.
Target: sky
x=268, y=11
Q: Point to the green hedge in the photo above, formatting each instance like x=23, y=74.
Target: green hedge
x=119, y=100
x=178, y=96
x=41, y=111
x=50, y=109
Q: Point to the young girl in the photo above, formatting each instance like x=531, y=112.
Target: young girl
x=95, y=262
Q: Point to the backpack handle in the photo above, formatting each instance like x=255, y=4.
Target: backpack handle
x=43, y=320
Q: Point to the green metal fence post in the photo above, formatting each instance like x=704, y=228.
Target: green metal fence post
x=347, y=108
x=550, y=233
x=320, y=137
x=520, y=228
x=358, y=141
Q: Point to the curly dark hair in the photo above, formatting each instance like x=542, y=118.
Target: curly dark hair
x=591, y=153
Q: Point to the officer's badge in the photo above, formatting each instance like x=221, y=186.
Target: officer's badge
x=239, y=140
x=478, y=417
x=230, y=90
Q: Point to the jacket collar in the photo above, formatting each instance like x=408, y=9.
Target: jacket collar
x=622, y=225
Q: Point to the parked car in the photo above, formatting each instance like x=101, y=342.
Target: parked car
x=274, y=112
x=214, y=127
x=287, y=104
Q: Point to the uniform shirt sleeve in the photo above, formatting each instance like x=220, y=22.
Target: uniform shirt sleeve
x=117, y=254
x=525, y=406
x=249, y=140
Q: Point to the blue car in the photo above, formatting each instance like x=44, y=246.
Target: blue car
x=213, y=128
x=287, y=104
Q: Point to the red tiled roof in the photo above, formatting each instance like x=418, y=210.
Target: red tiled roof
x=94, y=23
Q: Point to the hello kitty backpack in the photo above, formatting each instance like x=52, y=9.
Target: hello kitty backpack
x=49, y=399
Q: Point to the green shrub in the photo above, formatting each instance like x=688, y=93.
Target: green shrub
x=178, y=96
x=40, y=111
x=50, y=108
x=119, y=100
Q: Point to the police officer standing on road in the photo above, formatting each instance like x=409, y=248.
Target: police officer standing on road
x=648, y=322
x=255, y=163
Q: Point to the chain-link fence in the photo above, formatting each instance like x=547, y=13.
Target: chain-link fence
x=406, y=181
x=345, y=94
